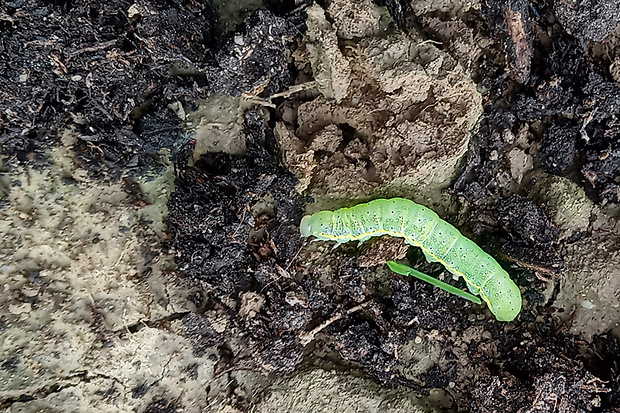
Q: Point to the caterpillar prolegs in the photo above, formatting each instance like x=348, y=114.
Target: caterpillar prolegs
x=423, y=228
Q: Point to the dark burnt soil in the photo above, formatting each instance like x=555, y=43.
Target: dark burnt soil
x=554, y=372
x=110, y=76
x=534, y=364
x=233, y=253
x=96, y=69
x=552, y=87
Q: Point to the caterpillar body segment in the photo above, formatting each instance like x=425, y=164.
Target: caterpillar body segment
x=421, y=227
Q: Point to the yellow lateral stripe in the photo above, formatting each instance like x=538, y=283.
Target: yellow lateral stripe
x=415, y=244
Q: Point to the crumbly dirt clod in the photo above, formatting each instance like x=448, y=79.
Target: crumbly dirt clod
x=373, y=128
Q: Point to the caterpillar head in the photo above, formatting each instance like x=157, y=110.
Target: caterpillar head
x=316, y=225
x=504, y=297
x=304, y=226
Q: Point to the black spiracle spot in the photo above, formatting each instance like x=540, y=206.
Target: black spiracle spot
x=441, y=238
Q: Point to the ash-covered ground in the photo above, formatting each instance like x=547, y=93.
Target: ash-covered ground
x=157, y=159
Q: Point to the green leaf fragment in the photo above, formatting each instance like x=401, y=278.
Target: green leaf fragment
x=405, y=270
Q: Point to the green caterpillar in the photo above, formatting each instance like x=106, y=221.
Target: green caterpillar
x=423, y=228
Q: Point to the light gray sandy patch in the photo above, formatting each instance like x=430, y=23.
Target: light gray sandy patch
x=77, y=296
x=420, y=354
x=356, y=19
x=566, y=202
x=520, y=163
x=318, y=391
x=450, y=23
x=331, y=70
x=217, y=125
x=131, y=373
x=452, y=8
x=589, y=297
x=590, y=288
